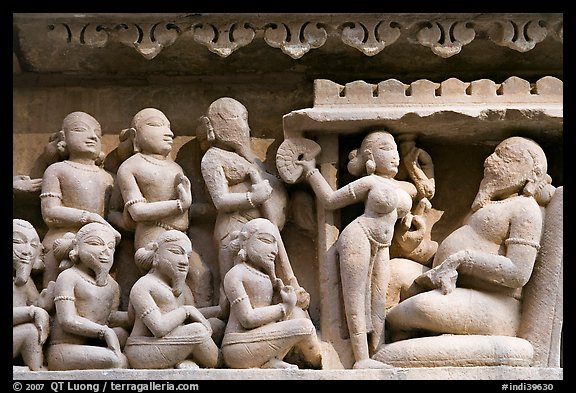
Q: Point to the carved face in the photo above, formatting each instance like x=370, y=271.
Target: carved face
x=385, y=154
x=83, y=135
x=507, y=170
x=172, y=261
x=26, y=248
x=261, y=250
x=95, y=250
x=229, y=119
x=153, y=133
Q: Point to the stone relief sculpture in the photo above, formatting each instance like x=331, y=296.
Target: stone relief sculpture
x=473, y=295
x=75, y=191
x=169, y=331
x=488, y=294
x=155, y=191
x=240, y=186
x=363, y=246
x=88, y=331
x=30, y=320
x=265, y=322
x=413, y=239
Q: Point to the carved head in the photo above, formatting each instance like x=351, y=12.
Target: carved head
x=378, y=154
x=83, y=136
x=226, y=124
x=94, y=246
x=152, y=133
x=168, y=257
x=26, y=250
x=257, y=245
x=517, y=166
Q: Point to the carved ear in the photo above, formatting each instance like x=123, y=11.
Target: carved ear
x=353, y=154
x=530, y=187
x=131, y=132
x=210, y=130
x=127, y=133
x=61, y=144
x=370, y=163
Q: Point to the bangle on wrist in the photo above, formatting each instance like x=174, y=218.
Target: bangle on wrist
x=31, y=312
x=310, y=173
x=249, y=199
x=102, y=332
x=282, y=310
x=84, y=217
x=179, y=206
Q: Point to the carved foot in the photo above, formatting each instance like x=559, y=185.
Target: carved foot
x=187, y=365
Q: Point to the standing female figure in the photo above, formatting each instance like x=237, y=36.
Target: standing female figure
x=363, y=245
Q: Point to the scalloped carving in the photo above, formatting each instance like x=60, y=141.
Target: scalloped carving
x=296, y=35
x=423, y=91
x=223, y=40
x=92, y=35
x=369, y=37
x=148, y=38
x=520, y=35
x=295, y=39
x=446, y=38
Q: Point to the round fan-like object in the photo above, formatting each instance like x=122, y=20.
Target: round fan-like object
x=289, y=152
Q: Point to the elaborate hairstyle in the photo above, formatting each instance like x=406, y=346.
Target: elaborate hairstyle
x=144, y=256
x=361, y=160
x=64, y=246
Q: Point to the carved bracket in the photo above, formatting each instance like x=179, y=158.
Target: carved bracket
x=521, y=35
x=450, y=109
x=446, y=38
x=295, y=39
x=371, y=37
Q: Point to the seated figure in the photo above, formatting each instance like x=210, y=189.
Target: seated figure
x=471, y=307
x=169, y=331
x=265, y=323
x=30, y=319
x=88, y=331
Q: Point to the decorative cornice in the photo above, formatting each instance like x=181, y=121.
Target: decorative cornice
x=479, y=110
x=297, y=34
x=448, y=92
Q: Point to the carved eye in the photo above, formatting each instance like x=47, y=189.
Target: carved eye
x=176, y=250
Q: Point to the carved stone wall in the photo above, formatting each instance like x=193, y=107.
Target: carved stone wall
x=462, y=82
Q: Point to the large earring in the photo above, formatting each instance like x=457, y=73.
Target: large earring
x=242, y=254
x=370, y=166
x=210, y=135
